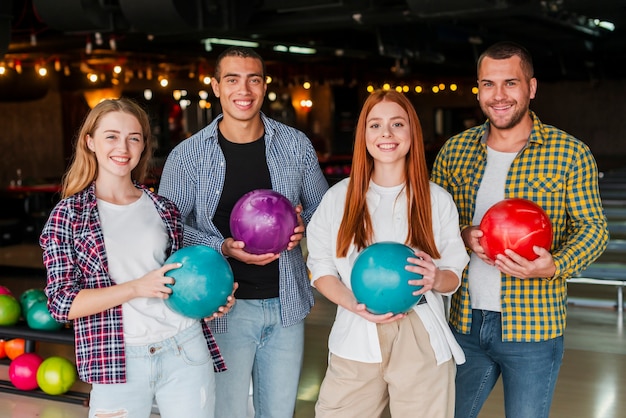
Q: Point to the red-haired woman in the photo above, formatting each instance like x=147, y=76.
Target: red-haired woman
x=406, y=360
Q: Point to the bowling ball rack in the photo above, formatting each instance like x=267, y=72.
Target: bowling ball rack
x=31, y=336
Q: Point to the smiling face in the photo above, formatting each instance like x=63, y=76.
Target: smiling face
x=117, y=143
x=504, y=91
x=388, y=133
x=241, y=88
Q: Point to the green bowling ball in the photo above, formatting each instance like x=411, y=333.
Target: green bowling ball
x=10, y=310
x=56, y=375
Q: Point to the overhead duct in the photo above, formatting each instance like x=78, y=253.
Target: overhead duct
x=163, y=16
x=78, y=15
x=460, y=8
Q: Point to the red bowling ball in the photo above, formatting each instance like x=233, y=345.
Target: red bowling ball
x=264, y=220
x=23, y=371
x=5, y=291
x=516, y=224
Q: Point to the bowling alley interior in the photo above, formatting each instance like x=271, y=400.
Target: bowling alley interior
x=323, y=58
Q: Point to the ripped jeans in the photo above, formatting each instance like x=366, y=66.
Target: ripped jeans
x=177, y=373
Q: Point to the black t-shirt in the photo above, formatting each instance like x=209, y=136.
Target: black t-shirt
x=246, y=170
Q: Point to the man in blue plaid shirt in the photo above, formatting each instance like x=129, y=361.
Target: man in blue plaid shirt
x=509, y=313
x=262, y=337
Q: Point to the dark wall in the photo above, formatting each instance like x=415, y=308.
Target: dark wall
x=35, y=134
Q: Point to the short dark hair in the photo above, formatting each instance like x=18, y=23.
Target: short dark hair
x=505, y=50
x=236, y=51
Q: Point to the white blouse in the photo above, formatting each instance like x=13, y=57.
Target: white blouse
x=353, y=337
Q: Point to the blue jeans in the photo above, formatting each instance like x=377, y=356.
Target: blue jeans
x=176, y=372
x=258, y=346
x=529, y=370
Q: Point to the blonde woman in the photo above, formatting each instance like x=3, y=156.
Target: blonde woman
x=104, y=247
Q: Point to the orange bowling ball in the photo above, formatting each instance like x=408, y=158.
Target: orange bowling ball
x=14, y=348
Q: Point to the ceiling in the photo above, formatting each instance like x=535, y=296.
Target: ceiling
x=355, y=40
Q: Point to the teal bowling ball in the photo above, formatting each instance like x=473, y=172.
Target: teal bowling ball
x=380, y=281
x=39, y=317
x=202, y=284
x=31, y=296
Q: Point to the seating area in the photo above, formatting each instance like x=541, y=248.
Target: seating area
x=610, y=268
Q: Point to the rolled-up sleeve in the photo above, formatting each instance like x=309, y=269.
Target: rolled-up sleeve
x=59, y=259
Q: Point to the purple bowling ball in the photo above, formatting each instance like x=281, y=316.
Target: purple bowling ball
x=264, y=220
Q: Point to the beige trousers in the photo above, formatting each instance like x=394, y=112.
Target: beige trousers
x=408, y=379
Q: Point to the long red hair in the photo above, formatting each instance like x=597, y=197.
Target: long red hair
x=356, y=225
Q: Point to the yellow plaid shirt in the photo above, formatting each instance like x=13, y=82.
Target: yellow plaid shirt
x=558, y=172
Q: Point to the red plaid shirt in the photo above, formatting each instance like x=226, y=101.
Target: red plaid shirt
x=75, y=258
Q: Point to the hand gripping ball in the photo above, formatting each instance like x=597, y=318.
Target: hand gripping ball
x=202, y=284
x=516, y=224
x=380, y=281
x=264, y=220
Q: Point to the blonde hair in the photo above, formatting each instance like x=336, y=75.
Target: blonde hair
x=83, y=168
x=356, y=225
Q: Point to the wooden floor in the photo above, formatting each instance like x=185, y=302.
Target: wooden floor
x=592, y=382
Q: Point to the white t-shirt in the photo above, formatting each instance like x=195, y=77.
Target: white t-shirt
x=353, y=337
x=136, y=240
x=485, y=280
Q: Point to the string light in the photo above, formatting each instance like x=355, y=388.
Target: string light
x=42, y=71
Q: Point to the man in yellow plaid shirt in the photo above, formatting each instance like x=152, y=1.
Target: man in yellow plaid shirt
x=509, y=313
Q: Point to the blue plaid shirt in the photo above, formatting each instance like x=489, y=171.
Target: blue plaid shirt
x=559, y=173
x=193, y=177
x=75, y=258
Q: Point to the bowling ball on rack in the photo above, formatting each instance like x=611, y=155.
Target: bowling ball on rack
x=10, y=310
x=14, y=347
x=380, y=281
x=202, y=284
x=56, y=375
x=516, y=224
x=39, y=317
x=264, y=220
x=23, y=371
x=5, y=291
x=31, y=296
